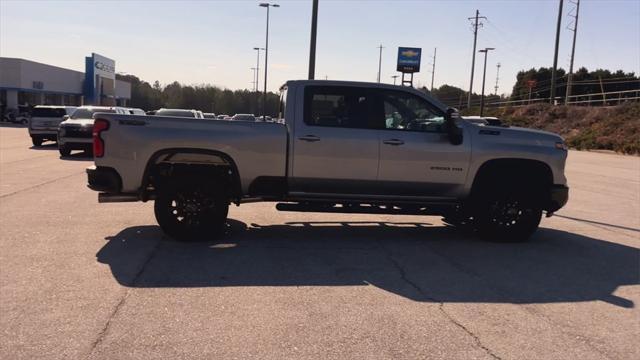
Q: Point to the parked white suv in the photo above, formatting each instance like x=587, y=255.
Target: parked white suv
x=45, y=121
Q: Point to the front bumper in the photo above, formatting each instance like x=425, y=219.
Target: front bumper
x=104, y=179
x=558, y=197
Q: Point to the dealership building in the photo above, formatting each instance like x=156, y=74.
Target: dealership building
x=25, y=83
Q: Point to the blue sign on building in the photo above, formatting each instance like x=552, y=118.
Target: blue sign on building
x=409, y=59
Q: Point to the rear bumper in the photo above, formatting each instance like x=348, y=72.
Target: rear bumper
x=104, y=179
x=558, y=197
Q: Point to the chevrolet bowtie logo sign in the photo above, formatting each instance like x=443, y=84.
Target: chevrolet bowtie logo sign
x=410, y=53
x=409, y=59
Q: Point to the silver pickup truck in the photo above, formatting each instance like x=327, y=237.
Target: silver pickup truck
x=345, y=147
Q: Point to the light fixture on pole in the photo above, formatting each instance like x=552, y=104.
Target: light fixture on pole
x=266, y=58
x=484, y=75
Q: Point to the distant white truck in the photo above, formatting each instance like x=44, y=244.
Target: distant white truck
x=342, y=147
x=45, y=120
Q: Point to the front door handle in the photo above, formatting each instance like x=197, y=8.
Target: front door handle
x=394, y=142
x=309, y=138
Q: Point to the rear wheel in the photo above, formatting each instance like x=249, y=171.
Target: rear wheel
x=36, y=141
x=508, y=214
x=64, y=151
x=191, y=212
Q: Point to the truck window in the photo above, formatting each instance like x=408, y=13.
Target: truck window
x=405, y=111
x=336, y=106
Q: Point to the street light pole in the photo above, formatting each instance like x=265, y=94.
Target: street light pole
x=266, y=59
x=257, y=49
x=484, y=75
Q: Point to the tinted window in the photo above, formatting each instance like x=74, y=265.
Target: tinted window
x=336, y=106
x=405, y=111
x=48, y=112
x=81, y=113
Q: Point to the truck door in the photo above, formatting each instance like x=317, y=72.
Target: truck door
x=416, y=157
x=335, y=147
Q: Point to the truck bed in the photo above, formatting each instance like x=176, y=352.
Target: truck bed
x=257, y=148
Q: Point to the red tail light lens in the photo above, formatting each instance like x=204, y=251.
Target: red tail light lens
x=99, y=125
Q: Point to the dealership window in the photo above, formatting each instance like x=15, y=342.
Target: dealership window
x=335, y=106
x=408, y=112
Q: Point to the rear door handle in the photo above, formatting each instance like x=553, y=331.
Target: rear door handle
x=309, y=138
x=394, y=142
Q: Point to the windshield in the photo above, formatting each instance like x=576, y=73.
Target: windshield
x=49, y=112
x=88, y=113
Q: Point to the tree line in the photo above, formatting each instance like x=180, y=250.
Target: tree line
x=207, y=98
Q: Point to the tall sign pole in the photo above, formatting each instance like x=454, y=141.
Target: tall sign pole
x=555, y=56
x=312, y=48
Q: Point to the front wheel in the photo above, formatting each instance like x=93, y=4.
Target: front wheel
x=508, y=216
x=37, y=141
x=189, y=213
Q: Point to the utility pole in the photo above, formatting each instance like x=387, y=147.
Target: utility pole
x=497, y=78
x=433, y=67
x=573, y=51
x=312, y=48
x=484, y=74
x=473, y=59
x=380, y=61
x=394, y=78
x=555, y=56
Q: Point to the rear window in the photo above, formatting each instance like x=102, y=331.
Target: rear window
x=48, y=112
x=88, y=113
x=335, y=106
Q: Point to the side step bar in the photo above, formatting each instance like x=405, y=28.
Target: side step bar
x=355, y=208
x=111, y=198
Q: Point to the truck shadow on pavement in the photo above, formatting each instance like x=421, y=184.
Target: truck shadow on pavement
x=414, y=260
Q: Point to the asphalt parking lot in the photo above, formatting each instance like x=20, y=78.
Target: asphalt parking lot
x=81, y=280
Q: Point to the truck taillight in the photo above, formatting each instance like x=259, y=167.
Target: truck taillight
x=99, y=125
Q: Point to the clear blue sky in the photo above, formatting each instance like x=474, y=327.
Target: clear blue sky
x=211, y=41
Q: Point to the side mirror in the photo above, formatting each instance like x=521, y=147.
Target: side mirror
x=453, y=130
x=66, y=117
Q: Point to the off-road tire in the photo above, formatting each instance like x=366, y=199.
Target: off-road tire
x=507, y=213
x=191, y=212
